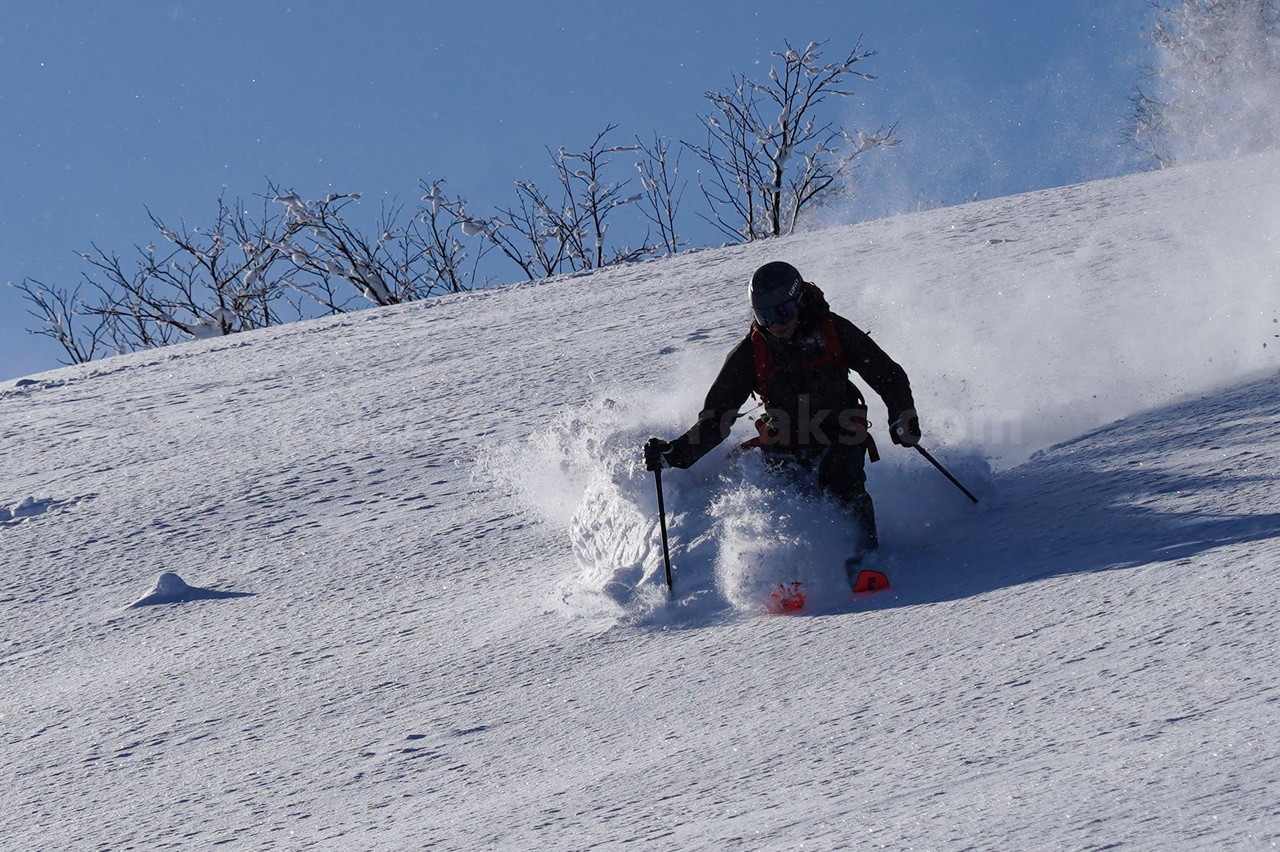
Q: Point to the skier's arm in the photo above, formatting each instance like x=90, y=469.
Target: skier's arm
x=730, y=389
x=865, y=357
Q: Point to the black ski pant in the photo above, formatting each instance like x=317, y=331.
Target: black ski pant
x=842, y=474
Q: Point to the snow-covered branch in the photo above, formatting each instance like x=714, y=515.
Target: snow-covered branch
x=770, y=153
x=549, y=232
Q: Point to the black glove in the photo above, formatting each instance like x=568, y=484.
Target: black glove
x=905, y=431
x=655, y=454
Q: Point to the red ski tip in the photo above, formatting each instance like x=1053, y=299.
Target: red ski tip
x=786, y=599
x=870, y=581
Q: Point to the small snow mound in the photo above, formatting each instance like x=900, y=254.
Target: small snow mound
x=170, y=588
x=170, y=584
x=28, y=508
x=33, y=507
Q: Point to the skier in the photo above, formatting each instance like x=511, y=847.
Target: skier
x=796, y=358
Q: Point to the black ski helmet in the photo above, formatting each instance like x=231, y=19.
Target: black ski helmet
x=775, y=293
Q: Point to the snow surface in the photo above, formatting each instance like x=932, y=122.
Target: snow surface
x=455, y=633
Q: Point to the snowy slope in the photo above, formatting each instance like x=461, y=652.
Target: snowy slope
x=455, y=633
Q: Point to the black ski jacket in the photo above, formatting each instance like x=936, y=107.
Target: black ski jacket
x=810, y=400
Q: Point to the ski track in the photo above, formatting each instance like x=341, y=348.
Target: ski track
x=457, y=635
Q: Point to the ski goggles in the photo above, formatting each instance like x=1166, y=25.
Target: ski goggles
x=779, y=314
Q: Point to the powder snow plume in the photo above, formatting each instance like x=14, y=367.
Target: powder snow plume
x=737, y=528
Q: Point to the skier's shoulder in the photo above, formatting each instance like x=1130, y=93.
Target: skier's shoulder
x=848, y=332
x=741, y=359
x=747, y=344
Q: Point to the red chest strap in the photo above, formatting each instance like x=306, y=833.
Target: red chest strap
x=765, y=368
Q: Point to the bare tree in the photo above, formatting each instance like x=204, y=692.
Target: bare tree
x=142, y=310
x=769, y=152
x=445, y=220
x=548, y=233
x=64, y=318
x=663, y=190
x=321, y=247
x=533, y=234
x=245, y=272
x=591, y=199
x=414, y=255
x=214, y=281
x=1214, y=88
x=199, y=283
x=194, y=282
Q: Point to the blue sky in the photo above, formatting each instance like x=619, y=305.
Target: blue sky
x=111, y=108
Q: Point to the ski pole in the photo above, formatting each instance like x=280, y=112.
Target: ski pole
x=944, y=472
x=662, y=522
